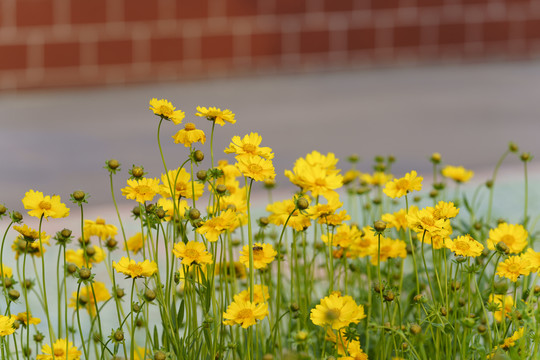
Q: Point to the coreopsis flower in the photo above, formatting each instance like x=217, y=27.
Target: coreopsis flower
x=135, y=269
x=244, y=313
x=344, y=236
x=361, y=247
x=513, y=267
x=280, y=211
x=457, y=173
x=230, y=172
x=402, y=186
x=189, y=135
x=317, y=178
x=396, y=220
x=217, y=225
x=77, y=257
x=350, y=176
x=511, y=341
x=390, y=249
x=237, y=200
x=505, y=304
x=21, y=245
x=430, y=229
x=62, y=349
x=6, y=325
x=193, y=272
x=263, y=254
x=260, y=294
x=445, y=210
x=28, y=233
x=168, y=206
x=99, y=228
x=5, y=271
x=337, y=311
x=227, y=269
x=178, y=181
x=533, y=258
x=26, y=318
x=141, y=190
x=217, y=115
x=166, y=110
x=46, y=206
x=256, y=167
x=135, y=243
x=193, y=252
x=327, y=213
x=327, y=162
x=349, y=349
x=378, y=178
x=514, y=236
x=86, y=297
x=249, y=146
x=464, y=246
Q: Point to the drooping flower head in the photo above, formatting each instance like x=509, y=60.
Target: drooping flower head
x=244, y=313
x=193, y=252
x=21, y=245
x=135, y=269
x=514, y=236
x=249, y=146
x=401, y=187
x=337, y=311
x=135, y=243
x=46, y=206
x=166, y=110
x=141, y=190
x=457, y=173
x=26, y=318
x=189, y=135
x=263, y=254
x=99, y=228
x=58, y=352
x=216, y=114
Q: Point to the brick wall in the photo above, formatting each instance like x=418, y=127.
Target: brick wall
x=56, y=43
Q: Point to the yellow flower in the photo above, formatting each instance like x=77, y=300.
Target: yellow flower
x=378, y=178
x=86, y=297
x=215, y=226
x=46, y=206
x=94, y=253
x=390, y=249
x=514, y=236
x=216, y=115
x=179, y=182
x=141, y=190
x=99, y=228
x=26, y=318
x=513, y=267
x=189, y=135
x=28, y=233
x=59, y=351
x=226, y=269
x=257, y=168
x=430, y=229
x=337, y=312
x=5, y=271
x=20, y=246
x=263, y=254
x=533, y=258
x=135, y=243
x=397, y=219
x=401, y=187
x=505, y=304
x=244, y=313
x=166, y=110
x=464, y=246
x=362, y=246
x=168, y=206
x=6, y=325
x=344, y=236
x=317, y=174
x=511, y=341
x=326, y=213
x=135, y=269
x=280, y=211
x=249, y=146
x=457, y=173
x=260, y=294
x=350, y=176
x=193, y=252
x=445, y=210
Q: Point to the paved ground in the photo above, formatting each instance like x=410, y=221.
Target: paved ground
x=57, y=141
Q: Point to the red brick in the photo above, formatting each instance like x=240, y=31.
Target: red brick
x=290, y=6
x=166, y=49
x=61, y=55
x=407, y=36
x=384, y=4
x=34, y=12
x=452, y=34
x=88, y=12
x=338, y=5
x=430, y=3
x=266, y=44
x=314, y=41
x=140, y=10
x=241, y=7
x=496, y=31
x=191, y=9
x=361, y=39
x=532, y=29
x=13, y=57
x=115, y=52
x=217, y=47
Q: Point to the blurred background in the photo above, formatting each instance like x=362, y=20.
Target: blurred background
x=401, y=77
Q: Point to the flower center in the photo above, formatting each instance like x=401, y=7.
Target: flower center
x=45, y=205
x=462, y=246
x=191, y=253
x=58, y=352
x=428, y=221
x=249, y=148
x=165, y=110
x=180, y=187
x=100, y=222
x=332, y=314
x=135, y=269
x=143, y=189
x=258, y=253
x=514, y=268
x=402, y=184
x=320, y=182
x=189, y=127
x=254, y=168
x=508, y=240
x=245, y=314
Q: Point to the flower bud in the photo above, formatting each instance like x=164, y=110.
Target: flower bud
x=113, y=164
x=502, y=247
x=111, y=244
x=443, y=311
x=294, y=307
x=71, y=268
x=198, y=156
x=149, y=295
x=136, y=307
x=231, y=207
x=136, y=211
x=378, y=288
x=3, y=209
x=525, y=157
x=482, y=329
x=489, y=184
x=85, y=273
x=301, y=335
x=90, y=251
x=13, y=294
x=513, y=147
x=537, y=290
x=119, y=292
x=420, y=298
x=302, y=203
x=160, y=355
x=269, y=184
x=83, y=300
x=78, y=195
x=137, y=172
x=139, y=323
x=16, y=216
x=389, y=296
x=201, y=175
x=433, y=194
x=263, y=221
x=28, y=284
x=415, y=329
x=194, y=214
x=39, y=337
x=353, y=158
x=221, y=189
x=118, y=335
x=435, y=158
x=379, y=226
x=160, y=213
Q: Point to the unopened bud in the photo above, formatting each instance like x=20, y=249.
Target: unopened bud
x=71, y=268
x=198, y=155
x=379, y=226
x=118, y=335
x=435, y=158
x=221, y=189
x=502, y=247
x=525, y=157
x=113, y=164
x=85, y=273
x=194, y=214
x=302, y=203
x=137, y=172
x=160, y=355
x=3, y=209
x=149, y=295
x=78, y=195
x=13, y=294
x=201, y=175
x=415, y=329
x=119, y=293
